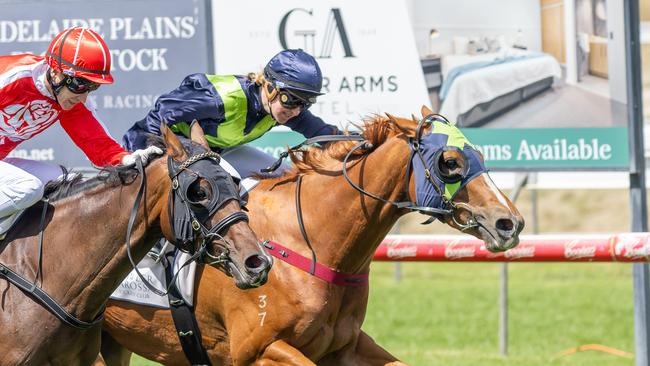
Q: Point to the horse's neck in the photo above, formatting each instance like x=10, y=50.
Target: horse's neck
x=96, y=239
x=343, y=227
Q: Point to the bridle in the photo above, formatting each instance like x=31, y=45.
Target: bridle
x=187, y=217
x=448, y=206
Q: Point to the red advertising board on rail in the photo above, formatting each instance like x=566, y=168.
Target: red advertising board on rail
x=626, y=247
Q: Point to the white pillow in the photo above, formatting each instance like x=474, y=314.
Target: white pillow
x=503, y=43
x=476, y=46
x=460, y=45
x=492, y=44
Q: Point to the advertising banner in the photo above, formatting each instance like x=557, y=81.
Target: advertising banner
x=154, y=44
x=535, y=149
x=365, y=49
x=537, y=85
x=541, y=84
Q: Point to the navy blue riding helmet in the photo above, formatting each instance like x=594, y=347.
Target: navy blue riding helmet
x=295, y=71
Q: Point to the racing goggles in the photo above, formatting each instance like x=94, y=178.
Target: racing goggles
x=291, y=101
x=80, y=85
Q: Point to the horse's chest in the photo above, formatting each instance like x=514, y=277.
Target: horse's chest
x=327, y=330
x=329, y=337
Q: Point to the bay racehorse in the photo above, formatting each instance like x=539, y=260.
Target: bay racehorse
x=83, y=257
x=351, y=194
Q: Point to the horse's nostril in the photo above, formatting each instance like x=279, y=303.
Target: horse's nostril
x=256, y=263
x=505, y=225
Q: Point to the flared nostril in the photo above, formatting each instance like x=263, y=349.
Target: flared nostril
x=505, y=225
x=256, y=263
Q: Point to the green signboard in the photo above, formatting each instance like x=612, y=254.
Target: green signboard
x=518, y=149
x=552, y=148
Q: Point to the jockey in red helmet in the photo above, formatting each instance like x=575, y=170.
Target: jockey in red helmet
x=79, y=60
x=37, y=92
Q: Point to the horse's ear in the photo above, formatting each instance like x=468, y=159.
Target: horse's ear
x=404, y=125
x=197, y=135
x=425, y=111
x=174, y=147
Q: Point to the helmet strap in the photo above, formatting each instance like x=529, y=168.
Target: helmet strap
x=56, y=87
x=271, y=93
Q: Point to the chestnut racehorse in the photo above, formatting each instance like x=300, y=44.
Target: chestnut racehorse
x=84, y=258
x=297, y=318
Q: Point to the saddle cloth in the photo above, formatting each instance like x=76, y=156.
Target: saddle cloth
x=133, y=290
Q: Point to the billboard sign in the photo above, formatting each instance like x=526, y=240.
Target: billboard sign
x=541, y=84
x=153, y=47
x=369, y=61
x=531, y=97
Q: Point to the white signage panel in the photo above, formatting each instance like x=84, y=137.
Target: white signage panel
x=366, y=51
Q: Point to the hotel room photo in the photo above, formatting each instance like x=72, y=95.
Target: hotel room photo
x=527, y=63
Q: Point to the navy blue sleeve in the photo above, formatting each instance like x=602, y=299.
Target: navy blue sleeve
x=195, y=98
x=311, y=126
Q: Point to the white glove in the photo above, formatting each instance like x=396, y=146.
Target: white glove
x=143, y=154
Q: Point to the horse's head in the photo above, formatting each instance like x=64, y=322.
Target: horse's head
x=449, y=181
x=204, y=214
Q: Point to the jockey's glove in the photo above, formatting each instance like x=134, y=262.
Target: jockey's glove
x=143, y=154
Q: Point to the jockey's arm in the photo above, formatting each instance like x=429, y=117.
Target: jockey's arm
x=311, y=126
x=194, y=99
x=90, y=135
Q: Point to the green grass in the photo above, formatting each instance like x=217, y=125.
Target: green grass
x=447, y=313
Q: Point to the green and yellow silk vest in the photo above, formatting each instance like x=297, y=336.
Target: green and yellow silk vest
x=230, y=132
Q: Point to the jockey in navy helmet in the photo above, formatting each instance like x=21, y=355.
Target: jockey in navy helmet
x=235, y=109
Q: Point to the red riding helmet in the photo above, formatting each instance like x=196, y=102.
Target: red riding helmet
x=80, y=52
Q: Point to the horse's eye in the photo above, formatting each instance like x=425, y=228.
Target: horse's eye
x=451, y=164
x=202, y=194
x=198, y=193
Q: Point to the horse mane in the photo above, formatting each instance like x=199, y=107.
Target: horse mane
x=73, y=183
x=375, y=129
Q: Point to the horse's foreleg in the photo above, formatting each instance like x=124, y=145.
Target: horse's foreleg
x=280, y=353
x=366, y=353
x=113, y=353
